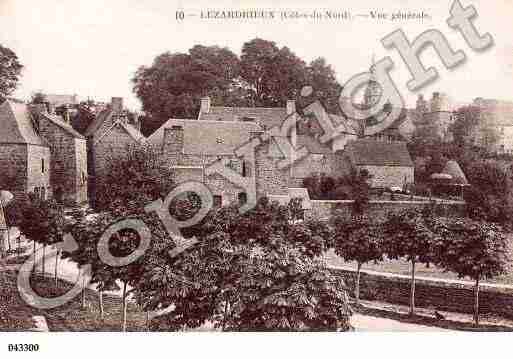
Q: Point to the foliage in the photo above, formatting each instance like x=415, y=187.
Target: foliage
x=264, y=75
x=42, y=220
x=10, y=71
x=353, y=186
x=358, y=239
x=135, y=179
x=473, y=249
x=252, y=271
x=409, y=235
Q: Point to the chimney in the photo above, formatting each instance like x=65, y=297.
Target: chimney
x=172, y=143
x=117, y=104
x=291, y=107
x=37, y=108
x=66, y=116
x=205, y=105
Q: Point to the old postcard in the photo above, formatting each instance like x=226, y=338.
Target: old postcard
x=242, y=166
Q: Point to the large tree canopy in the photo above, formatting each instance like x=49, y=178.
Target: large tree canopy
x=10, y=70
x=264, y=75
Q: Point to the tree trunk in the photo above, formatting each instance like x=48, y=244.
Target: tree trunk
x=476, y=303
x=9, y=239
x=82, y=305
x=34, y=266
x=357, y=284
x=19, y=246
x=147, y=321
x=100, y=303
x=43, y=262
x=412, y=288
x=124, y=308
x=56, y=265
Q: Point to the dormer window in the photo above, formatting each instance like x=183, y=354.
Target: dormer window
x=219, y=140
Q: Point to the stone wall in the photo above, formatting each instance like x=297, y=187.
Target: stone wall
x=388, y=176
x=379, y=209
x=13, y=164
x=68, y=162
x=431, y=293
x=36, y=177
x=269, y=180
x=112, y=146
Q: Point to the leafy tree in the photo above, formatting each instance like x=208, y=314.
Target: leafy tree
x=274, y=75
x=43, y=222
x=358, y=239
x=473, y=249
x=252, y=271
x=321, y=76
x=173, y=85
x=408, y=234
x=265, y=75
x=135, y=179
x=10, y=71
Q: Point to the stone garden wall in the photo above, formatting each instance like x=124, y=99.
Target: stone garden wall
x=379, y=209
x=431, y=293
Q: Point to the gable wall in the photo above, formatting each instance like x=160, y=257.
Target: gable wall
x=13, y=163
x=68, y=162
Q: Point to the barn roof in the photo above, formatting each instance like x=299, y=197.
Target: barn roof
x=379, y=153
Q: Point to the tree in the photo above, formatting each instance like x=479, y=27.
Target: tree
x=265, y=75
x=408, y=235
x=10, y=71
x=321, y=76
x=42, y=222
x=358, y=239
x=135, y=179
x=173, y=85
x=473, y=249
x=273, y=75
x=252, y=271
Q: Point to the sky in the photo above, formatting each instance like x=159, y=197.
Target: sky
x=93, y=48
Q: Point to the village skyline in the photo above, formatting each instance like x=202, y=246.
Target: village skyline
x=107, y=49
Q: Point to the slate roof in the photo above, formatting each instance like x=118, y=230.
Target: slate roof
x=133, y=132
x=65, y=126
x=265, y=116
x=16, y=124
x=209, y=137
x=98, y=121
x=59, y=100
x=453, y=169
x=3, y=225
x=379, y=153
x=313, y=144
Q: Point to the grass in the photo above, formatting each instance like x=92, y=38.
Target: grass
x=404, y=267
x=16, y=315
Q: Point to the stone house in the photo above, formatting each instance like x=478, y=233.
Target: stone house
x=25, y=156
x=109, y=136
x=41, y=153
x=495, y=129
x=190, y=146
x=389, y=163
x=435, y=116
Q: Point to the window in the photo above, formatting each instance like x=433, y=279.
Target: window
x=36, y=191
x=84, y=178
x=43, y=193
x=218, y=201
x=42, y=165
x=243, y=198
x=246, y=169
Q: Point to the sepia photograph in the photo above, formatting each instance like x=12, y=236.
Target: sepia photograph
x=283, y=171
